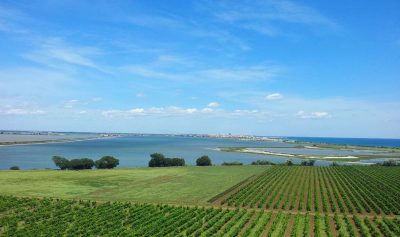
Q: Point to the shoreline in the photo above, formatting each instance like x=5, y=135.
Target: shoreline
x=333, y=158
x=25, y=143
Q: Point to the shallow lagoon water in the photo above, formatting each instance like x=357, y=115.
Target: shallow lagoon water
x=134, y=151
x=325, y=152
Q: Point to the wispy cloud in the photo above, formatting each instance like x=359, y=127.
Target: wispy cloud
x=249, y=73
x=153, y=111
x=262, y=16
x=71, y=103
x=175, y=111
x=22, y=109
x=213, y=104
x=154, y=21
x=274, y=96
x=313, y=115
x=55, y=51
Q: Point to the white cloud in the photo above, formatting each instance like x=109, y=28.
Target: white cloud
x=70, y=103
x=274, y=96
x=152, y=21
x=241, y=74
x=313, y=115
x=249, y=73
x=140, y=94
x=97, y=99
x=179, y=111
x=286, y=11
x=207, y=110
x=54, y=52
x=213, y=104
x=153, y=111
x=23, y=112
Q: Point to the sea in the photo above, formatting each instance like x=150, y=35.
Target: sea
x=135, y=150
x=376, y=142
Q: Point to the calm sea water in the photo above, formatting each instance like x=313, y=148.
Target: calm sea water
x=135, y=151
x=132, y=151
x=378, y=142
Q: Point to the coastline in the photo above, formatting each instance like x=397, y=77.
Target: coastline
x=337, y=158
x=24, y=143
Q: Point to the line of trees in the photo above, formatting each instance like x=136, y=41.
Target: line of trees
x=262, y=162
x=159, y=160
x=389, y=163
x=307, y=162
x=106, y=162
x=232, y=163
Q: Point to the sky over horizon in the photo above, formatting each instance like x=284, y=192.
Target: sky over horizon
x=270, y=67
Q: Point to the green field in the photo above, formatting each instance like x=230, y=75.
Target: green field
x=274, y=201
x=182, y=185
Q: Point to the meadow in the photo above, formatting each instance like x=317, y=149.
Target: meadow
x=175, y=185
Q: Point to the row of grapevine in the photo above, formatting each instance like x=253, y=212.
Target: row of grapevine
x=344, y=189
x=52, y=217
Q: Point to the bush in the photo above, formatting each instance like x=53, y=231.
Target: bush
x=262, y=162
x=81, y=164
x=175, y=162
x=159, y=160
x=307, y=162
x=14, y=167
x=232, y=163
x=106, y=162
x=390, y=163
x=61, y=162
x=203, y=161
x=289, y=162
x=334, y=164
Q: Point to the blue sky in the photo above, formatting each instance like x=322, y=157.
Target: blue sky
x=290, y=68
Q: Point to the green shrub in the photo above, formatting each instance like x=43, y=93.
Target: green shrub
x=232, y=163
x=203, y=161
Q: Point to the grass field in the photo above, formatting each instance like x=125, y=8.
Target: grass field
x=182, y=185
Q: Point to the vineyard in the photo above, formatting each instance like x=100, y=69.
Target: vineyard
x=344, y=189
x=52, y=217
x=280, y=201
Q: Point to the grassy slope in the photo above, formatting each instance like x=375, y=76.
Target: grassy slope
x=183, y=185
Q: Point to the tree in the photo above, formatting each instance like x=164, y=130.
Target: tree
x=61, y=162
x=106, y=162
x=203, y=161
x=175, y=162
x=14, y=167
x=390, y=163
x=232, y=163
x=262, y=162
x=334, y=164
x=80, y=164
x=157, y=160
x=307, y=162
x=289, y=162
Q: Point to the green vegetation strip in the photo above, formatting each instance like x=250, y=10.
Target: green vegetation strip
x=376, y=153
x=178, y=185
